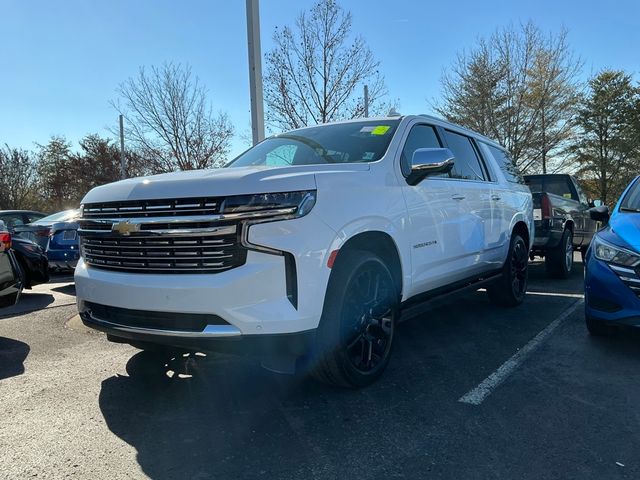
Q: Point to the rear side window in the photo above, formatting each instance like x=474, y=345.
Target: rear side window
x=502, y=158
x=467, y=165
x=420, y=136
x=560, y=186
x=581, y=194
x=13, y=220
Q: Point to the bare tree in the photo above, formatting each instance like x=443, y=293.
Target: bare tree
x=518, y=87
x=17, y=178
x=170, y=122
x=554, y=94
x=316, y=71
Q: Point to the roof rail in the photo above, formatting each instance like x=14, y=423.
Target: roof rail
x=433, y=117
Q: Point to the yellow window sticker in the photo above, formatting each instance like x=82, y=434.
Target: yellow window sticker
x=380, y=130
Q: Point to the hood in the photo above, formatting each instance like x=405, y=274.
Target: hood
x=626, y=225
x=217, y=182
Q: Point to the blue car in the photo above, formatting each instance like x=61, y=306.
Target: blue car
x=57, y=235
x=612, y=276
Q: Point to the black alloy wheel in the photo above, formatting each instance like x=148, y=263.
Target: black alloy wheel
x=367, y=320
x=356, y=332
x=511, y=288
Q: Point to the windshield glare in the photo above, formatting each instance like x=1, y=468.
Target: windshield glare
x=64, y=216
x=337, y=143
x=631, y=200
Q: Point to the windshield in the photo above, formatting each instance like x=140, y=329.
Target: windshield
x=365, y=141
x=631, y=201
x=64, y=216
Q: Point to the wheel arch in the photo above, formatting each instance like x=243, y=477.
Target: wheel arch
x=380, y=243
x=570, y=224
x=521, y=228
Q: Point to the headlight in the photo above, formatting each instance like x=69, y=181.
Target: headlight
x=295, y=204
x=610, y=253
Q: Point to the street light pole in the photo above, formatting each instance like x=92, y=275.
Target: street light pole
x=366, y=101
x=123, y=170
x=255, y=71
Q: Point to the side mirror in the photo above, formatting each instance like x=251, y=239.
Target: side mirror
x=429, y=161
x=599, y=214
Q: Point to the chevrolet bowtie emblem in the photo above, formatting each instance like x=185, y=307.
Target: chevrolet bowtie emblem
x=125, y=228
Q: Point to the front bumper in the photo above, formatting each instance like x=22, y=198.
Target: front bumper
x=214, y=338
x=607, y=298
x=63, y=259
x=252, y=297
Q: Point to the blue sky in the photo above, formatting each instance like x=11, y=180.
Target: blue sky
x=61, y=61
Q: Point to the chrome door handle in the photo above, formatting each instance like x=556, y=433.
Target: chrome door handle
x=458, y=197
x=495, y=197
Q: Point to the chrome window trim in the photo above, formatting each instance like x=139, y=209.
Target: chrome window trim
x=192, y=218
x=185, y=232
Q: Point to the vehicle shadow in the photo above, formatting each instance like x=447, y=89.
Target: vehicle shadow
x=228, y=419
x=29, y=301
x=66, y=289
x=12, y=356
x=225, y=417
x=540, y=281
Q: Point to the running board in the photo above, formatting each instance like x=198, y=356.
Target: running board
x=422, y=302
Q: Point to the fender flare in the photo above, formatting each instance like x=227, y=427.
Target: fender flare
x=376, y=224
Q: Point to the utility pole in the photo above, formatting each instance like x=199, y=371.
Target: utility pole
x=255, y=71
x=366, y=101
x=123, y=170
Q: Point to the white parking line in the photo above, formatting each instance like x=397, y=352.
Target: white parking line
x=548, y=294
x=482, y=391
x=551, y=294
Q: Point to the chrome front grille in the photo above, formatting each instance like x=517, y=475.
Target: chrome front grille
x=164, y=254
x=160, y=236
x=153, y=208
x=629, y=277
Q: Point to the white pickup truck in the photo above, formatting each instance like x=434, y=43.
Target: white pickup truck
x=304, y=250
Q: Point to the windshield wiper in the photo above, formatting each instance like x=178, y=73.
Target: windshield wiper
x=627, y=209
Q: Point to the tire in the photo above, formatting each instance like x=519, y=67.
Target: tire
x=355, y=336
x=511, y=288
x=598, y=328
x=26, y=281
x=559, y=260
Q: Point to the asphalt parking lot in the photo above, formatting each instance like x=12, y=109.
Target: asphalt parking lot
x=548, y=401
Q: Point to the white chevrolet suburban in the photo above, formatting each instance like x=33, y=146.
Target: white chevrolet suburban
x=304, y=250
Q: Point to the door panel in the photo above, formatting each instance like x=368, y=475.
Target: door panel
x=434, y=219
x=503, y=205
x=478, y=227
x=436, y=231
